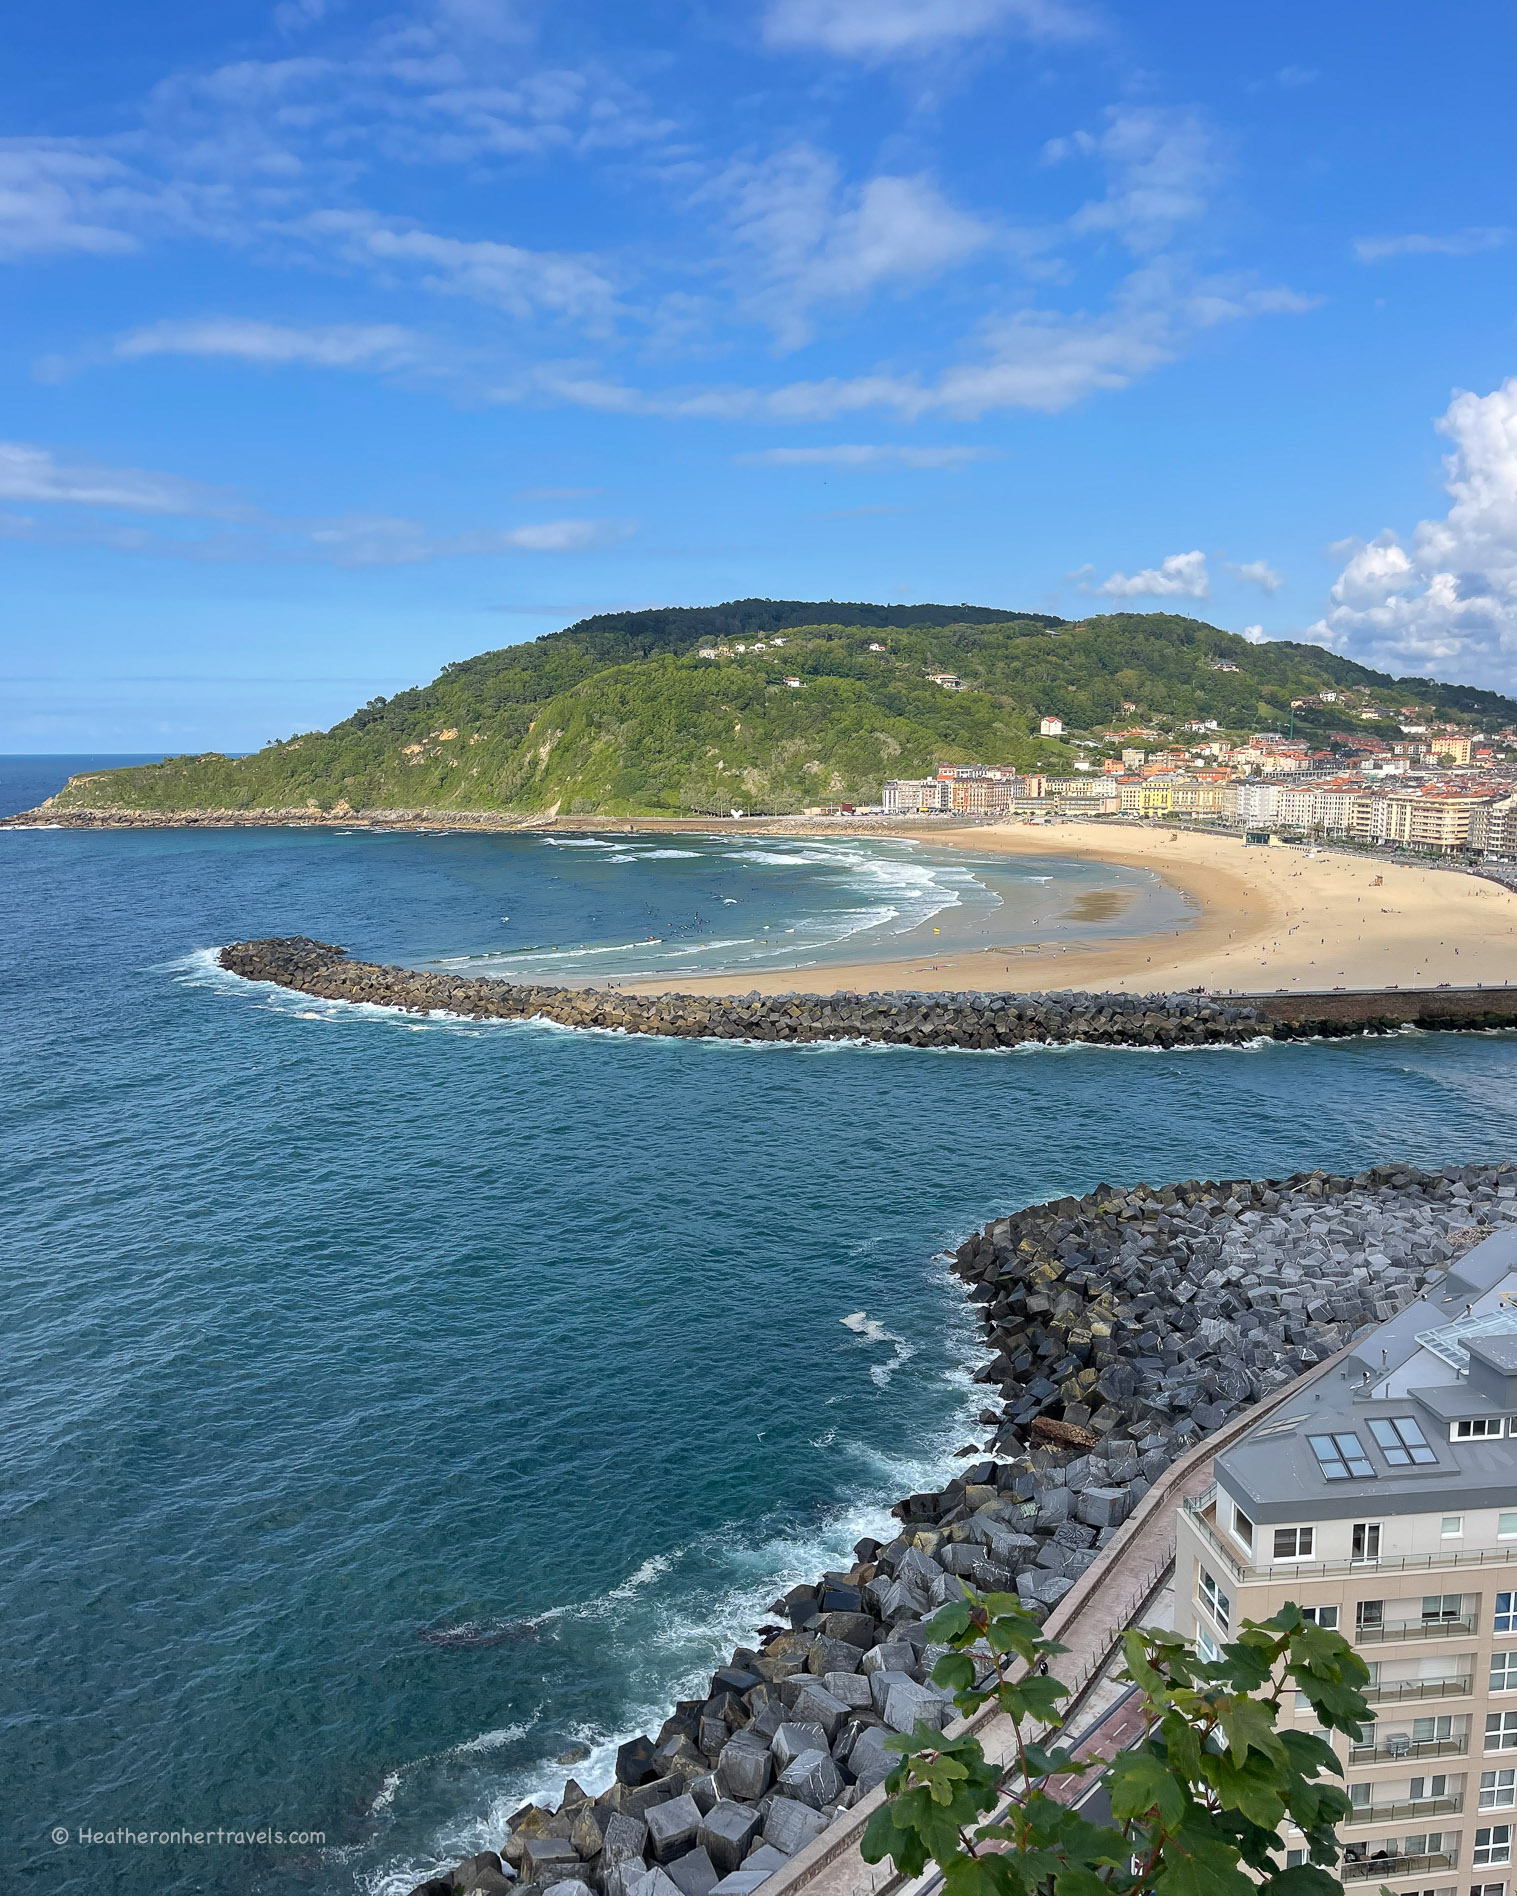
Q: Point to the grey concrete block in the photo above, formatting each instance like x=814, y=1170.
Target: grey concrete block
x=744, y=1768
x=869, y=1761
x=880, y=1683
x=765, y=1857
x=791, y=1825
x=672, y=1827
x=908, y=1705
x=892, y=1655
x=813, y=1778
x=849, y=1688
x=549, y=1859
x=706, y=1792
x=1104, y=1507
x=793, y=1738
x=623, y=1837
x=815, y=1705
x=741, y=1882
x=727, y=1832
x=652, y=1883
x=693, y=1874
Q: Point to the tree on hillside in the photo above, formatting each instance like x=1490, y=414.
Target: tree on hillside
x=1196, y=1806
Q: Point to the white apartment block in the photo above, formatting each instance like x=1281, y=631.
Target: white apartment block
x=1383, y=1501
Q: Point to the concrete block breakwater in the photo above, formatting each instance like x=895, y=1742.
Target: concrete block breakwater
x=1125, y=1327
x=914, y=1020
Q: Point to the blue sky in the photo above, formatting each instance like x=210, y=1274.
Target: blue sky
x=343, y=340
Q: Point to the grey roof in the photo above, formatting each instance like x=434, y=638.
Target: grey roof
x=1409, y=1366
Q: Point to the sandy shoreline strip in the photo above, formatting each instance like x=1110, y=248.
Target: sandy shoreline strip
x=1267, y=920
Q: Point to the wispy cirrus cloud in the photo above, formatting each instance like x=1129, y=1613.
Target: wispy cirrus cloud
x=1163, y=166
x=866, y=456
x=275, y=345
x=38, y=477
x=1457, y=243
x=34, y=474
x=891, y=29
x=1038, y=360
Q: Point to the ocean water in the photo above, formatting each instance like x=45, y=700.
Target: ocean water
x=387, y=1405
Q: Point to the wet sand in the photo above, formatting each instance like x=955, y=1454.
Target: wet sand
x=1266, y=921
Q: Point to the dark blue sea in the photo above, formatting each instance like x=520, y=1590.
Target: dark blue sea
x=387, y=1405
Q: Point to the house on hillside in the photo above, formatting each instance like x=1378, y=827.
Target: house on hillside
x=1051, y=727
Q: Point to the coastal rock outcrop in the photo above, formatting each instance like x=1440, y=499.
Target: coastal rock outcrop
x=1123, y=1327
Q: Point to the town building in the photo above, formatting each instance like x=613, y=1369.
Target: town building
x=1383, y=1502
x=1051, y=727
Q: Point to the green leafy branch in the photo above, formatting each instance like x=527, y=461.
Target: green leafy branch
x=1198, y=1803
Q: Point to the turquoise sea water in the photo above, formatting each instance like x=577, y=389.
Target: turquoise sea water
x=387, y=1404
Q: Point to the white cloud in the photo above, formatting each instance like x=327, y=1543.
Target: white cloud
x=524, y=283
x=379, y=540
x=817, y=241
x=1255, y=634
x=1180, y=575
x=1162, y=167
x=1261, y=574
x=57, y=197
x=865, y=455
x=276, y=345
x=1458, y=243
x=1449, y=599
x=29, y=473
x=1039, y=360
x=887, y=29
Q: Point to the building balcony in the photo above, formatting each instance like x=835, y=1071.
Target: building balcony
x=1283, y=1572
x=1409, y=1808
x=1402, y=1691
x=1384, y=1866
x=1390, y=1750
x=1416, y=1629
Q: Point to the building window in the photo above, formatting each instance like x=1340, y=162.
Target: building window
x=1442, y=1609
x=1479, y=1428
x=1476, y=1889
x=1361, y=1796
x=1340, y=1457
x=1217, y=1603
x=1324, y=1616
x=1453, y=1526
x=1498, y=1790
x=1364, y=1542
x=1504, y=1614
x=1402, y=1442
x=1294, y=1543
x=1504, y=1671
x=1493, y=1844
x=1427, y=1731
x=1506, y=1527
x=1429, y=1787
x=1501, y=1731
x=1243, y=1527
x=1207, y=1647
x=1369, y=1614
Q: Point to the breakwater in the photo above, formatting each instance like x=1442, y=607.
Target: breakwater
x=1124, y=1327
x=982, y=1020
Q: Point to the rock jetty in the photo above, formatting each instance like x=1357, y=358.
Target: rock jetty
x=974, y=1020
x=1124, y=1326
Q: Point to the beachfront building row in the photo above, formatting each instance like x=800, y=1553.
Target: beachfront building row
x=1382, y=1500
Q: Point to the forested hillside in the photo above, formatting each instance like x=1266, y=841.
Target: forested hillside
x=621, y=715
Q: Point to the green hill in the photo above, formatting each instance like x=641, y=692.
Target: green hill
x=621, y=715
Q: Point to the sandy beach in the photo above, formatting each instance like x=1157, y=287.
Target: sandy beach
x=1266, y=921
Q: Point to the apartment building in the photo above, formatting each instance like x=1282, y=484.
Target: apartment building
x=1383, y=1501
